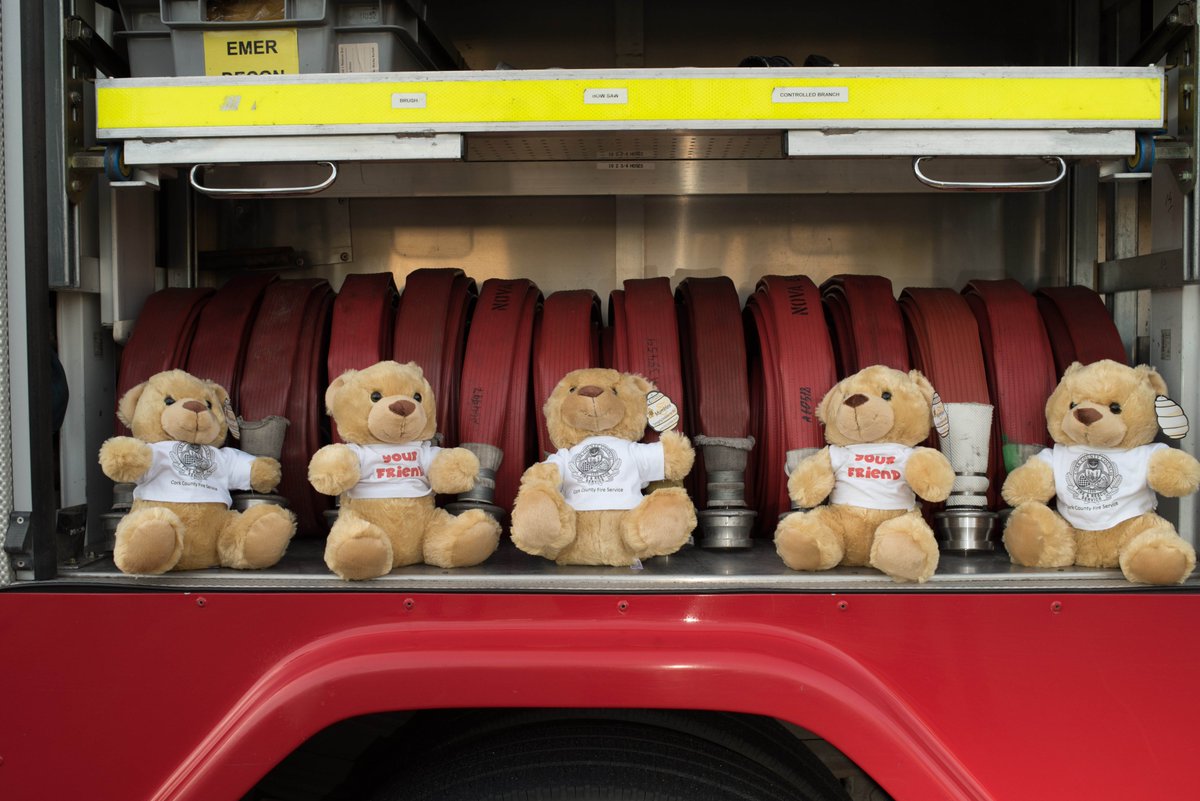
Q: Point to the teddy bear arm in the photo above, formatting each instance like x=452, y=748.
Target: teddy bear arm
x=929, y=473
x=678, y=455
x=453, y=470
x=333, y=469
x=1032, y=482
x=544, y=474
x=1173, y=473
x=812, y=480
x=265, y=474
x=125, y=458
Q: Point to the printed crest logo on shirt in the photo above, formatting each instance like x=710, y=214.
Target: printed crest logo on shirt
x=1093, y=478
x=595, y=464
x=193, y=461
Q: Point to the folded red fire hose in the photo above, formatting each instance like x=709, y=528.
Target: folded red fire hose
x=495, y=406
x=1020, y=369
x=714, y=366
x=226, y=319
x=284, y=374
x=362, y=325
x=646, y=339
x=161, y=337
x=1079, y=326
x=864, y=322
x=566, y=337
x=792, y=366
x=431, y=330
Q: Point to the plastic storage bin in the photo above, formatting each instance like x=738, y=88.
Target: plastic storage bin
x=175, y=37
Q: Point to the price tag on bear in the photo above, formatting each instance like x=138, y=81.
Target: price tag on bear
x=661, y=413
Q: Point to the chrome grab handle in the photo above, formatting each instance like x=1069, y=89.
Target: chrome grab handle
x=216, y=191
x=991, y=186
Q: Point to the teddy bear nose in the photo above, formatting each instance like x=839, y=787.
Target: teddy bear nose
x=403, y=407
x=1087, y=416
x=854, y=401
x=195, y=406
x=591, y=391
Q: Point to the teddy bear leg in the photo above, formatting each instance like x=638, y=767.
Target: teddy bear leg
x=148, y=541
x=255, y=538
x=542, y=522
x=660, y=524
x=904, y=548
x=460, y=541
x=1035, y=536
x=357, y=548
x=1157, y=555
x=810, y=540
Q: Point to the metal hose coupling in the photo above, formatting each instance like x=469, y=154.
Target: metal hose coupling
x=726, y=522
x=967, y=524
x=793, y=459
x=483, y=494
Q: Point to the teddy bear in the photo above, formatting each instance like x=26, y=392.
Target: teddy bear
x=181, y=517
x=584, y=504
x=872, y=472
x=387, y=470
x=1104, y=470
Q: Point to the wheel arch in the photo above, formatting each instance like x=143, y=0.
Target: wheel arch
x=757, y=670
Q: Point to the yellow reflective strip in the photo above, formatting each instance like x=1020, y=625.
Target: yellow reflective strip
x=643, y=99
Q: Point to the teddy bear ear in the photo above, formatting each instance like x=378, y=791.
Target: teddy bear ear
x=417, y=367
x=926, y=388
x=1150, y=376
x=643, y=385
x=128, y=404
x=1074, y=368
x=335, y=387
x=231, y=421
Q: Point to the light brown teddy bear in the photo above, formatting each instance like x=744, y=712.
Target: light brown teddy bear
x=180, y=518
x=1105, y=470
x=872, y=472
x=387, y=473
x=584, y=504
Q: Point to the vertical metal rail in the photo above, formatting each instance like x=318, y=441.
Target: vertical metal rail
x=31, y=532
x=6, y=485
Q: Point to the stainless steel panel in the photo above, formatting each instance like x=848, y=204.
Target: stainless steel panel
x=1152, y=271
x=834, y=142
x=233, y=150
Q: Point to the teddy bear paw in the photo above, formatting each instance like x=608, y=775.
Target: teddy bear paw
x=358, y=550
x=540, y=522
x=660, y=524
x=804, y=542
x=905, y=549
x=1035, y=536
x=257, y=538
x=148, y=541
x=462, y=541
x=1158, y=556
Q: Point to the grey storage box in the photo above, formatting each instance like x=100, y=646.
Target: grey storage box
x=174, y=37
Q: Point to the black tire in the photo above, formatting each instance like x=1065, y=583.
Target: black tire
x=589, y=760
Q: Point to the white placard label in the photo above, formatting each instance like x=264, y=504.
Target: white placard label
x=358, y=57
x=625, y=165
x=810, y=94
x=408, y=100
x=605, y=96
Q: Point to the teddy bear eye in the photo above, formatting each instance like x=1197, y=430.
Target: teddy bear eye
x=376, y=396
x=1073, y=405
x=1115, y=408
x=417, y=397
x=168, y=400
x=886, y=395
x=209, y=404
x=572, y=389
x=614, y=390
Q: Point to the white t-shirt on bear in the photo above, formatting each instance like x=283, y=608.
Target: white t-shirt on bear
x=181, y=472
x=871, y=476
x=393, y=471
x=1100, y=487
x=608, y=472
